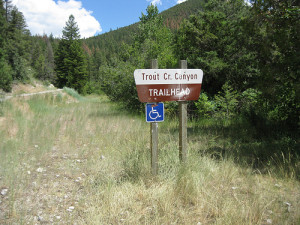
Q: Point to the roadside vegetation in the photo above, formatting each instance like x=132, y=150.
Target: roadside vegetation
x=65, y=161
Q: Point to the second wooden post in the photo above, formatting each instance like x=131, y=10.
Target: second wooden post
x=183, y=123
x=154, y=135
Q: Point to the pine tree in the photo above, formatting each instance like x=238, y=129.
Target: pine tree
x=2, y=28
x=17, y=44
x=71, y=65
x=71, y=30
x=5, y=69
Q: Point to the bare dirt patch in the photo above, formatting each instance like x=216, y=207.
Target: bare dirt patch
x=27, y=88
x=2, y=120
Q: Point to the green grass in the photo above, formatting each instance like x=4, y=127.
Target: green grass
x=57, y=153
x=73, y=93
x=276, y=152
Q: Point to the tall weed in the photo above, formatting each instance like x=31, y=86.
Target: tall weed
x=136, y=164
x=186, y=187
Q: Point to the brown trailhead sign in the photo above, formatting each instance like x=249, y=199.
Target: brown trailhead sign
x=160, y=85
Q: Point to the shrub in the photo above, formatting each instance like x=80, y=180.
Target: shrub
x=171, y=108
x=5, y=76
x=204, y=106
x=227, y=102
x=249, y=100
x=119, y=85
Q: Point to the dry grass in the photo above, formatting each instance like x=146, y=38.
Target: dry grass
x=26, y=88
x=88, y=163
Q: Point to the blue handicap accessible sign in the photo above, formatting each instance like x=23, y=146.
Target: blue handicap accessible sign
x=155, y=112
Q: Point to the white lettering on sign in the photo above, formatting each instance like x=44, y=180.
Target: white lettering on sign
x=150, y=76
x=168, y=76
x=187, y=77
x=169, y=92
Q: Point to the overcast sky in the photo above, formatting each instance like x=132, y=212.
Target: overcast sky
x=92, y=16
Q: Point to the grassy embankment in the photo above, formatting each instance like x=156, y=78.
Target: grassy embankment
x=87, y=162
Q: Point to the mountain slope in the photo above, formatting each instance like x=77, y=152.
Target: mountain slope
x=175, y=15
x=111, y=41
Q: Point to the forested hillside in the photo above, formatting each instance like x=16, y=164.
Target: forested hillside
x=23, y=56
x=174, y=16
x=108, y=46
x=248, y=54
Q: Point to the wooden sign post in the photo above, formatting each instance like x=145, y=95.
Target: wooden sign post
x=183, y=123
x=154, y=135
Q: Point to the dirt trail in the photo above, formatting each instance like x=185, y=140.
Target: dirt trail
x=29, y=94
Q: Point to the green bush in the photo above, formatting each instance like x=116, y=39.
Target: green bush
x=119, y=85
x=171, y=109
x=5, y=76
x=205, y=107
x=227, y=102
x=249, y=100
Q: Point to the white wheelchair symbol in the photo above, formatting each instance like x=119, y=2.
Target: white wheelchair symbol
x=153, y=114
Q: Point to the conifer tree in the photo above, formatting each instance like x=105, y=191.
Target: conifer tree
x=5, y=69
x=16, y=44
x=71, y=30
x=2, y=27
x=71, y=65
x=154, y=39
x=8, y=7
